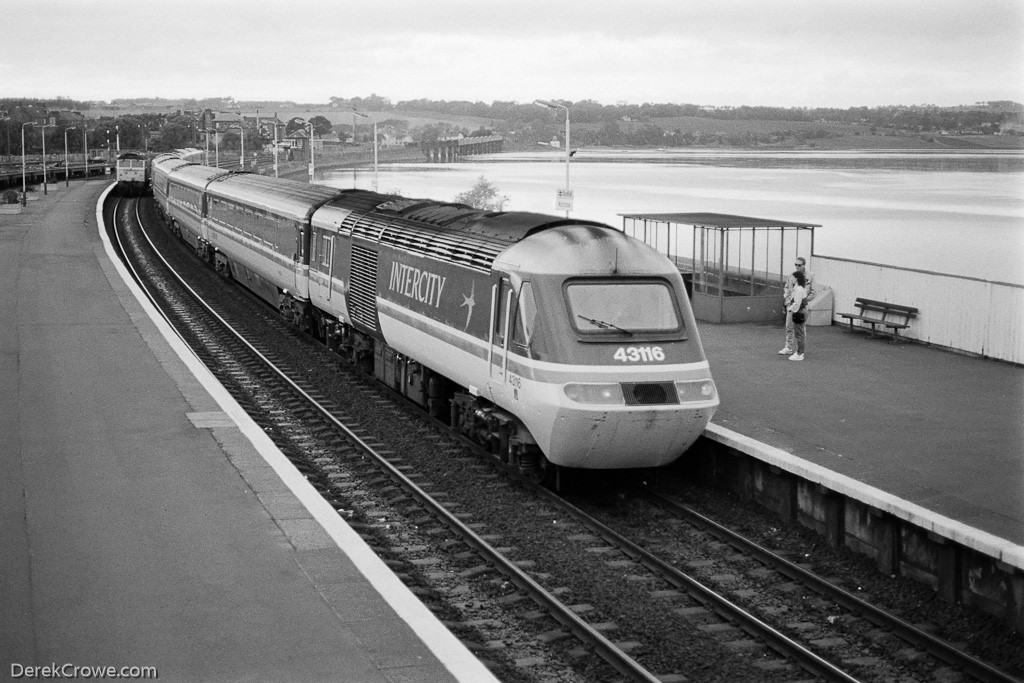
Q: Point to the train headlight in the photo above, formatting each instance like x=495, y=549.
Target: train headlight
x=694, y=391
x=595, y=394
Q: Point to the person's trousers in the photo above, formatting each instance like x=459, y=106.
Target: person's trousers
x=800, y=333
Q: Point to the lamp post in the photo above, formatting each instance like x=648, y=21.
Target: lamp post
x=275, y=145
x=312, y=163
x=206, y=154
x=43, y=128
x=24, y=185
x=375, y=178
x=67, y=157
x=85, y=148
x=354, y=115
x=241, y=135
x=117, y=135
x=8, y=120
x=554, y=105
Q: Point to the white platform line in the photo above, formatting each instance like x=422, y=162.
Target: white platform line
x=452, y=654
x=968, y=536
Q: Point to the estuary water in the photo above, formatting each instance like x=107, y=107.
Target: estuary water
x=957, y=213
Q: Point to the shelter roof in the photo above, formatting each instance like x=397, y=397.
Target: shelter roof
x=719, y=220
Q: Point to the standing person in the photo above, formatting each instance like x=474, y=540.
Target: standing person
x=797, y=313
x=787, y=297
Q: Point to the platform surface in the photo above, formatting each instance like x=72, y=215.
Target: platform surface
x=938, y=429
x=139, y=524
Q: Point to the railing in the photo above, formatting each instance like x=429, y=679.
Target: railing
x=969, y=314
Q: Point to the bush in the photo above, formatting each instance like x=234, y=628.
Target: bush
x=484, y=195
x=9, y=197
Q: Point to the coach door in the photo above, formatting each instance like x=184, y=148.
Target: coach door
x=298, y=259
x=328, y=263
x=501, y=305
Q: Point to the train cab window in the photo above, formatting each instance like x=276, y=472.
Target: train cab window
x=628, y=307
x=526, y=316
x=502, y=311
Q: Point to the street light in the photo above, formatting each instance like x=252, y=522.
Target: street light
x=241, y=134
x=275, y=144
x=354, y=115
x=555, y=105
x=43, y=128
x=67, y=172
x=375, y=175
x=24, y=187
x=8, y=120
x=375, y=178
x=312, y=162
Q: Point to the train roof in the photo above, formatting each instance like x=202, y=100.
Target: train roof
x=131, y=155
x=166, y=163
x=196, y=176
x=279, y=196
x=454, y=233
x=585, y=249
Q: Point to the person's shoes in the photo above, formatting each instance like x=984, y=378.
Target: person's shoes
x=797, y=356
x=786, y=351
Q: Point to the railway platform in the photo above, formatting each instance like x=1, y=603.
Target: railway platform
x=910, y=454
x=144, y=522
x=937, y=429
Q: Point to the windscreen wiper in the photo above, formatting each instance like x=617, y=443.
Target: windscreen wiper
x=603, y=324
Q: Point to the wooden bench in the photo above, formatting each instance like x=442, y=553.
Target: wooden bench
x=881, y=314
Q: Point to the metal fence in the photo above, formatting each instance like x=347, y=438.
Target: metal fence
x=964, y=313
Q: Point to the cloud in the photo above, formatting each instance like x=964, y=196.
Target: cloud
x=776, y=52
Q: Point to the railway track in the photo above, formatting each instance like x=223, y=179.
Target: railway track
x=553, y=585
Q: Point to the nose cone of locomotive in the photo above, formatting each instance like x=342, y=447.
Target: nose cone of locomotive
x=614, y=439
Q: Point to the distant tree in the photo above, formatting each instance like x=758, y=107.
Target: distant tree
x=175, y=136
x=484, y=195
x=230, y=140
x=321, y=125
x=132, y=132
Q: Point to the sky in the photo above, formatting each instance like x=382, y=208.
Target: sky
x=786, y=53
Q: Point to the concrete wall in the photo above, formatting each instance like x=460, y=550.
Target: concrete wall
x=955, y=571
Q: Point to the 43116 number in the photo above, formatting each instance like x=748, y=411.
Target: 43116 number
x=639, y=354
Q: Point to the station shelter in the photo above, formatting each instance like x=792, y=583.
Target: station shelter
x=734, y=267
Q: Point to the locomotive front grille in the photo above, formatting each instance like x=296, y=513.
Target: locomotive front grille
x=650, y=394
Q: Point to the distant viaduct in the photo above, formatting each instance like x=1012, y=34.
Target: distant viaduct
x=446, y=151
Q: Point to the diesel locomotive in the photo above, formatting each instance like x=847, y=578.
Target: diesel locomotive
x=552, y=341
x=132, y=173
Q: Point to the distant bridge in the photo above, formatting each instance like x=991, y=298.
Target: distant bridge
x=447, y=151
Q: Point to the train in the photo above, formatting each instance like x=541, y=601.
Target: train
x=132, y=173
x=552, y=342
x=132, y=170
